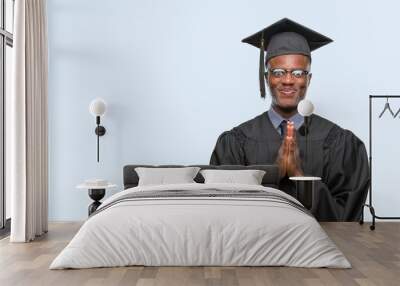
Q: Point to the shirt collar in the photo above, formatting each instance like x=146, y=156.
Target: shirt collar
x=276, y=119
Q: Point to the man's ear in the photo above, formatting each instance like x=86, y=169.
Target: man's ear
x=266, y=78
x=309, y=79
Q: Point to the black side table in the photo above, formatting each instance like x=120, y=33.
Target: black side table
x=96, y=193
x=305, y=190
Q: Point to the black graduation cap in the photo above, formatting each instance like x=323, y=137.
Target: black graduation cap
x=282, y=38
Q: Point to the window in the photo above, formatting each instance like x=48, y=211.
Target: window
x=6, y=44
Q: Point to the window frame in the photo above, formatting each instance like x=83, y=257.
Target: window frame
x=6, y=39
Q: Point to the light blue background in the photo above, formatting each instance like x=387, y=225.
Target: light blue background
x=175, y=75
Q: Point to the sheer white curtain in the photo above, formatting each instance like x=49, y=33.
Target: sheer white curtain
x=27, y=123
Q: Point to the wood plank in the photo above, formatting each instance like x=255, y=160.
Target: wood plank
x=374, y=255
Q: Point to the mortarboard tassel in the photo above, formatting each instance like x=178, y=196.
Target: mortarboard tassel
x=262, y=68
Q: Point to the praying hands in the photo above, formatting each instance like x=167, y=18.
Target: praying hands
x=288, y=159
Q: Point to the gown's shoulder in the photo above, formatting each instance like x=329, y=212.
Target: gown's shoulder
x=336, y=135
x=252, y=123
x=255, y=127
x=245, y=130
x=322, y=122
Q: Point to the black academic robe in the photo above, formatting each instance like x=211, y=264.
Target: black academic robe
x=335, y=154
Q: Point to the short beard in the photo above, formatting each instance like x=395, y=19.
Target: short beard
x=287, y=110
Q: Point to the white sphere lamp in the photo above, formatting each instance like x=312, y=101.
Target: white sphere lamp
x=305, y=107
x=97, y=108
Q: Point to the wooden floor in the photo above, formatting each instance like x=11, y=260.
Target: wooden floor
x=374, y=255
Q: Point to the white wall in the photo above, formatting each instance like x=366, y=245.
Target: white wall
x=175, y=75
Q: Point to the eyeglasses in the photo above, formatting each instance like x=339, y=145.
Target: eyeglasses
x=280, y=73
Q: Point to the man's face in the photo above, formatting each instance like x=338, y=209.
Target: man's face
x=288, y=90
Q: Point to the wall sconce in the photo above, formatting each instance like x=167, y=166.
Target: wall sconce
x=97, y=108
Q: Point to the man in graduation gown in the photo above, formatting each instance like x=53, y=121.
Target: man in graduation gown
x=278, y=135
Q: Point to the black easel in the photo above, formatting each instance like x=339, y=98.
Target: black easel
x=371, y=208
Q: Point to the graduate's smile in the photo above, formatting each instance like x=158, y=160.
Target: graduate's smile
x=287, y=96
x=288, y=92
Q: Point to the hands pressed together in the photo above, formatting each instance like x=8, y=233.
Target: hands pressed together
x=288, y=159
